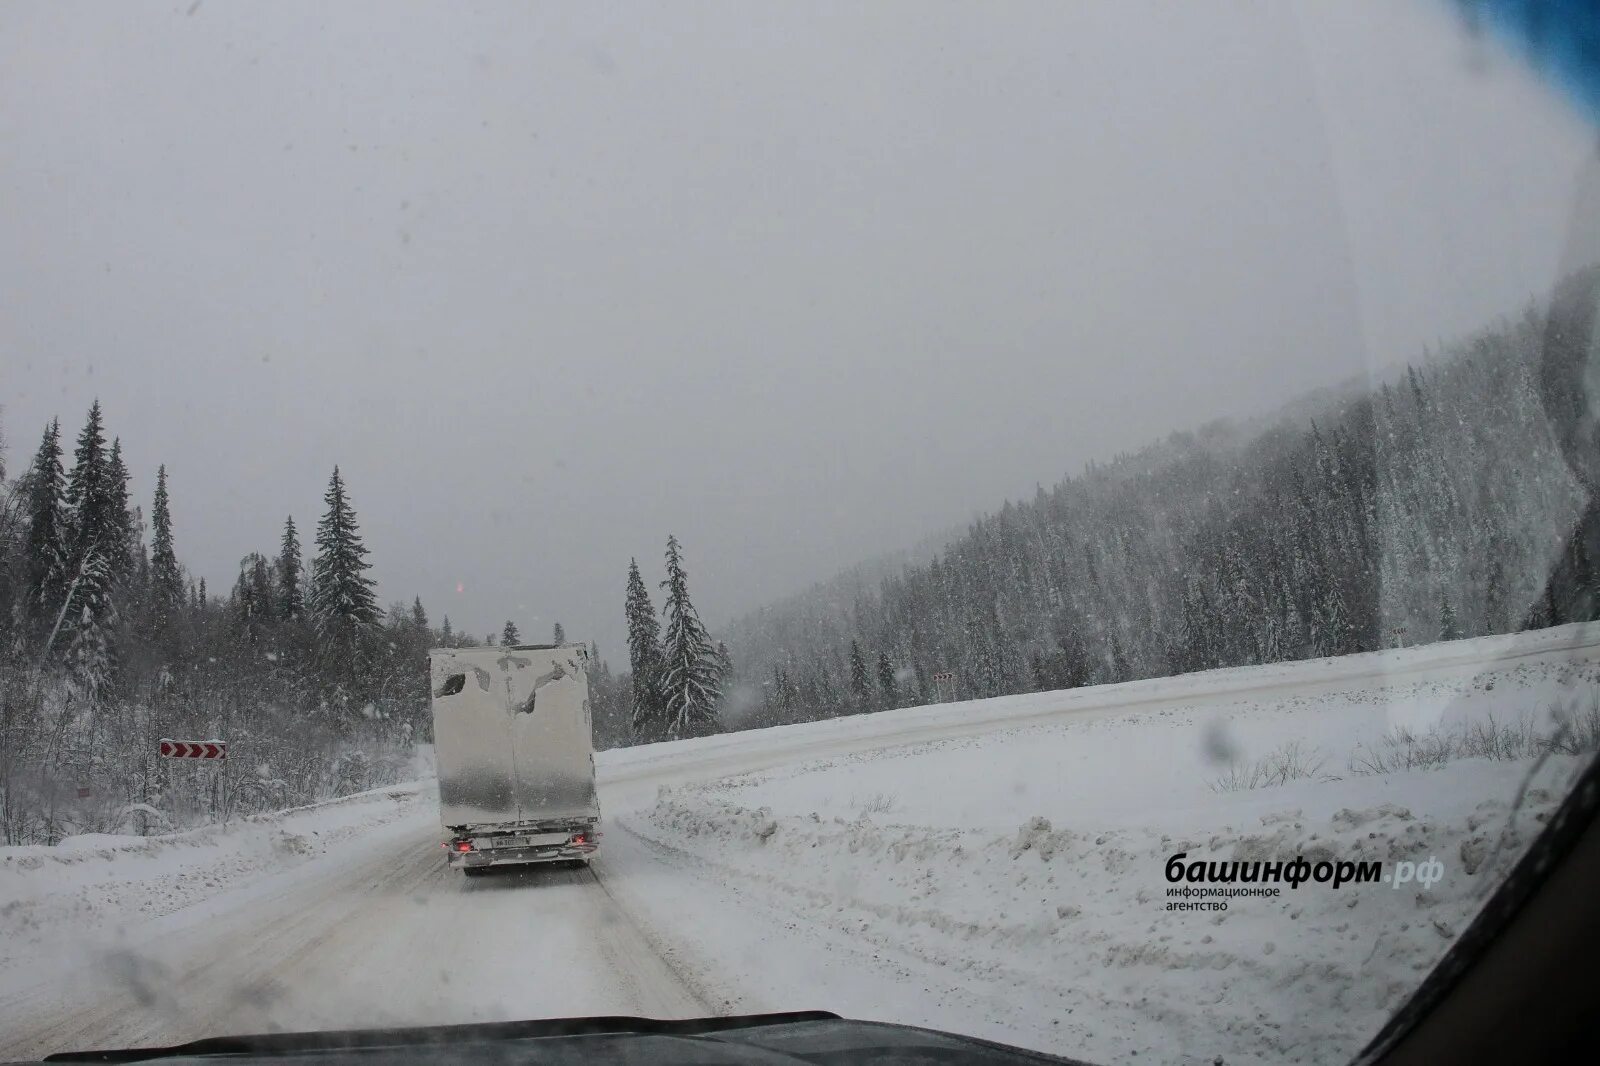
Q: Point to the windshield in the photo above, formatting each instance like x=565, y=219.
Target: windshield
x=1069, y=524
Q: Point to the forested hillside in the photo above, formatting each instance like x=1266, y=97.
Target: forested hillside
x=1432, y=507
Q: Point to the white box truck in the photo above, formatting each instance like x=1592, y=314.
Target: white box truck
x=515, y=754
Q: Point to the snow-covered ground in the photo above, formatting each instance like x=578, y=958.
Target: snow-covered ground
x=995, y=867
x=97, y=889
x=1001, y=868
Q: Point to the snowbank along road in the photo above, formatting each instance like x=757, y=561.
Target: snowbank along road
x=994, y=867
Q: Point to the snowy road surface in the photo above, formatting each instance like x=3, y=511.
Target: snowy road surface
x=381, y=935
x=993, y=867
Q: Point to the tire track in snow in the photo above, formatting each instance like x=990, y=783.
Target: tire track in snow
x=644, y=961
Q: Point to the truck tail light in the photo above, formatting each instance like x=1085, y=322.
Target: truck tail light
x=463, y=845
x=579, y=838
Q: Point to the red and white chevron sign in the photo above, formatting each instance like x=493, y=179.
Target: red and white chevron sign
x=194, y=749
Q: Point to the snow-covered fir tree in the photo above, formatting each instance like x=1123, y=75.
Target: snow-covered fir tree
x=124, y=545
x=509, y=634
x=89, y=494
x=92, y=616
x=46, y=547
x=644, y=658
x=291, y=591
x=253, y=602
x=887, y=688
x=690, y=685
x=342, y=604
x=98, y=544
x=167, y=596
x=1449, y=627
x=860, y=681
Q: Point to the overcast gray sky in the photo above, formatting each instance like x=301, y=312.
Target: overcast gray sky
x=801, y=283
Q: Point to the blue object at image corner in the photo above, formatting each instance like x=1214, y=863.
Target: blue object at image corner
x=1559, y=38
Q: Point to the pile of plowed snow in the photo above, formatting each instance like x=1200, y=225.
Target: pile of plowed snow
x=1075, y=918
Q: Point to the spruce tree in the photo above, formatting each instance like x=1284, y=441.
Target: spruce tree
x=46, y=549
x=89, y=494
x=788, y=691
x=860, y=681
x=166, y=580
x=291, y=594
x=1449, y=628
x=724, y=668
x=446, y=633
x=120, y=516
x=342, y=605
x=139, y=579
x=887, y=685
x=1118, y=661
x=558, y=634
x=1040, y=672
x=419, y=617
x=689, y=688
x=509, y=635
x=261, y=590
x=644, y=657
x=97, y=544
x=1075, y=669
x=774, y=694
x=1333, y=624
x=824, y=694
x=252, y=601
x=92, y=616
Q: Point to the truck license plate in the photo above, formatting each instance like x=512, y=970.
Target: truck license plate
x=538, y=840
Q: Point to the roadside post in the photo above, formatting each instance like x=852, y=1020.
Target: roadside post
x=206, y=750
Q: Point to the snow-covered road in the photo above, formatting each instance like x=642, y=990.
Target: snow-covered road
x=993, y=867
x=376, y=932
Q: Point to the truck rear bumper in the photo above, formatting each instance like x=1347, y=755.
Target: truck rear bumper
x=522, y=845
x=520, y=856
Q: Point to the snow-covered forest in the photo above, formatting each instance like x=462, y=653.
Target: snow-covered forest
x=107, y=645
x=1434, y=506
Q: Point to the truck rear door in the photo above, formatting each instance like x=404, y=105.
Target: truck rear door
x=548, y=696
x=472, y=740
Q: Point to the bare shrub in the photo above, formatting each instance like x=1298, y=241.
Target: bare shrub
x=1577, y=732
x=1487, y=739
x=881, y=803
x=1403, y=749
x=1288, y=762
